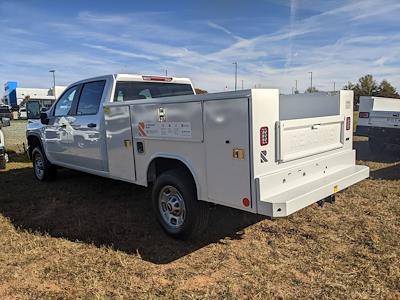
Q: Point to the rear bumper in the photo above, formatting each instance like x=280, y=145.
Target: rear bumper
x=291, y=200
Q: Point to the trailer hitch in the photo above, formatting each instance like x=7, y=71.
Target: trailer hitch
x=330, y=199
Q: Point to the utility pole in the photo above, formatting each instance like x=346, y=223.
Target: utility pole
x=235, y=63
x=296, y=86
x=334, y=86
x=242, y=84
x=311, y=90
x=54, y=83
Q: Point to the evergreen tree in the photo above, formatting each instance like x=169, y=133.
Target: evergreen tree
x=385, y=89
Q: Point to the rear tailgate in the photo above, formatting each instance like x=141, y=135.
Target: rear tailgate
x=300, y=138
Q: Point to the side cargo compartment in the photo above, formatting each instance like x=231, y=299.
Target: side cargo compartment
x=228, y=153
x=120, y=152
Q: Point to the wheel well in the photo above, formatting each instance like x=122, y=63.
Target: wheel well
x=33, y=142
x=162, y=164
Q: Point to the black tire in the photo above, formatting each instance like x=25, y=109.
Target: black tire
x=376, y=145
x=179, y=184
x=3, y=158
x=42, y=168
x=3, y=163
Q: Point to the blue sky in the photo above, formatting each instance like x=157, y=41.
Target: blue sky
x=274, y=42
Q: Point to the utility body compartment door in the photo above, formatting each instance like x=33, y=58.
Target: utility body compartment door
x=226, y=137
x=300, y=138
x=120, y=154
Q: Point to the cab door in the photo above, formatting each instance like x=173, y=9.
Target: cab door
x=58, y=133
x=86, y=145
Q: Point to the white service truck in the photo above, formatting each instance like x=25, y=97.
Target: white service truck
x=379, y=120
x=253, y=150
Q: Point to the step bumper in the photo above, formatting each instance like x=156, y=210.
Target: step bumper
x=290, y=201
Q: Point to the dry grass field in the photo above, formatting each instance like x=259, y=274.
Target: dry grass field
x=87, y=237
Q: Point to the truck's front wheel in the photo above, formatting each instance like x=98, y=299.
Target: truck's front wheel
x=175, y=203
x=42, y=168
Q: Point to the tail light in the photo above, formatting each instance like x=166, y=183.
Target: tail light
x=362, y=114
x=348, y=123
x=157, y=78
x=263, y=136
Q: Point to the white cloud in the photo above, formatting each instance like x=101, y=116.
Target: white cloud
x=223, y=29
x=120, y=52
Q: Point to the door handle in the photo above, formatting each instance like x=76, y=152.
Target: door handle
x=91, y=125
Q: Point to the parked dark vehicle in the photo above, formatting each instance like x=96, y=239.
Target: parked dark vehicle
x=6, y=112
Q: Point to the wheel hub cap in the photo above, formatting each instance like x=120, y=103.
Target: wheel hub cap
x=39, y=167
x=172, y=206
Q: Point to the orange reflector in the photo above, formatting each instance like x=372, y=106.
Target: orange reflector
x=246, y=202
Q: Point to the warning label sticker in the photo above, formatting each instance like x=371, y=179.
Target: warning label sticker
x=165, y=129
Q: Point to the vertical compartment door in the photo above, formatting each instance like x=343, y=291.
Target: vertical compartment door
x=120, y=154
x=226, y=136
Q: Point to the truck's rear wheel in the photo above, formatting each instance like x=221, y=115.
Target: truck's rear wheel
x=376, y=145
x=43, y=169
x=177, y=208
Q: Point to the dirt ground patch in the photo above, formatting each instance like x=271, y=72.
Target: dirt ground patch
x=83, y=236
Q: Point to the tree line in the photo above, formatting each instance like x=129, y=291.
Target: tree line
x=368, y=86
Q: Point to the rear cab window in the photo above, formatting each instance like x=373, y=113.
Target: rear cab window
x=134, y=90
x=90, y=98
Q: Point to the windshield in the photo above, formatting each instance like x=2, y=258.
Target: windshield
x=132, y=90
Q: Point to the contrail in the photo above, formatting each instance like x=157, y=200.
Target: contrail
x=293, y=8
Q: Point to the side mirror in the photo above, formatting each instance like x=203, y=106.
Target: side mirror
x=44, y=118
x=4, y=122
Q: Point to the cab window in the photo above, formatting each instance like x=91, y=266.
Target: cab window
x=64, y=104
x=90, y=98
x=134, y=90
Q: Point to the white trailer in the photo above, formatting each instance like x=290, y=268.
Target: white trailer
x=253, y=150
x=379, y=120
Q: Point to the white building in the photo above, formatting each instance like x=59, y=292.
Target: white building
x=17, y=96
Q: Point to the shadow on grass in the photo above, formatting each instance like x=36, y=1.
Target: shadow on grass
x=388, y=173
x=106, y=212
x=364, y=153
